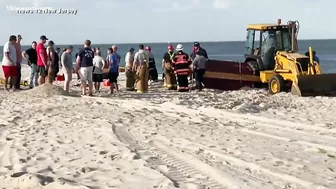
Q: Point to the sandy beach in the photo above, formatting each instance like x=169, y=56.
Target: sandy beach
x=164, y=139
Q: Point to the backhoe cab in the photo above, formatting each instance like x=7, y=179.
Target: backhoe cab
x=264, y=40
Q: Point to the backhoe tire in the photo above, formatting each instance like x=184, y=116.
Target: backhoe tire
x=276, y=84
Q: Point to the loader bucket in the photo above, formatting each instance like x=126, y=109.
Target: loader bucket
x=315, y=85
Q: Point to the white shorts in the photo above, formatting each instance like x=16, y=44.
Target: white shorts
x=85, y=73
x=67, y=75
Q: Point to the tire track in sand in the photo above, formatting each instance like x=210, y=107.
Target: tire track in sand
x=303, y=137
x=266, y=122
x=220, y=158
x=173, y=174
x=277, y=130
x=227, y=177
x=191, y=169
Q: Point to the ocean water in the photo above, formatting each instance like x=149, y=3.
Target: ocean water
x=325, y=49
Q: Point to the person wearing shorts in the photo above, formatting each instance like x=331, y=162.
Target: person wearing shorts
x=9, y=61
x=42, y=65
x=52, y=61
x=66, y=62
x=18, y=62
x=98, y=66
x=30, y=56
x=85, y=67
x=113, y=71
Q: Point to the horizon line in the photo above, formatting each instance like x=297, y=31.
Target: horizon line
x=183, y=42
x=189, y=42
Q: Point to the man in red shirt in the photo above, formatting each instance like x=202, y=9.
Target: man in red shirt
x=42, y=59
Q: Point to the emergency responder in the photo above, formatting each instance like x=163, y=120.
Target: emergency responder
x=169, y=75
x=152, y=71
x=197, y=47
x=181, y=65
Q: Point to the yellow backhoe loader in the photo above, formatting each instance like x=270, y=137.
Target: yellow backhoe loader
x=272, y=60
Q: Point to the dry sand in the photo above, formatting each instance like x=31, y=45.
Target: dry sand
x=163, y=139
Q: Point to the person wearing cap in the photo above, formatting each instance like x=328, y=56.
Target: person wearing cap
x=152, y=71
x=315, y=58
x=198, y=66
x=52, y=61
x=181, y=65
x=42, y=59
x=197, y=47
x=9, y=62
x=130, y=75
x=31, y=56
x=67, y=67
x=18, y=49
x=168, y=71
x=140, y=67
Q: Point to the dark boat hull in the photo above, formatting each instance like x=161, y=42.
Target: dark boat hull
x=229, y=75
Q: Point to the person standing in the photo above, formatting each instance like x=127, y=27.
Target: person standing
x=198, y=66
x=42, y=59
x=140, y=67
x=130, y=76
x=18, y=62
x=9, y=63
x=115, y=49
x=31, y=57
x=181, y=65
x=76, y=55
x=113, y=71
x=52, y=61
x=198, y=48
x=98, y=66
x=169, y=76
x=152, y=71
x=85, y=67
x=57, y=62
x=67, y=67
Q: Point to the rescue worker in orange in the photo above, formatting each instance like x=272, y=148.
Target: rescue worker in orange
x=168, y=70
x=181, y=63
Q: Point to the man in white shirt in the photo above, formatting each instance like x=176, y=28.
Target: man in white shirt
x=9, y=62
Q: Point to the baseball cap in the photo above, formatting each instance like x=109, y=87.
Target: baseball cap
x=170, y=47
x=43, y=37
x=196, y=44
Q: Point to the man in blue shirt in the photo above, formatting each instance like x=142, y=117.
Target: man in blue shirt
x=85, y=66
x=113, y=71
x=315, y=58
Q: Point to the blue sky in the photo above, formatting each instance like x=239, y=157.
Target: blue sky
x=117, y=21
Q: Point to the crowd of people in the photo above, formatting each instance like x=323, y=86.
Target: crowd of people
x=177, y=67
x=91, y=68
